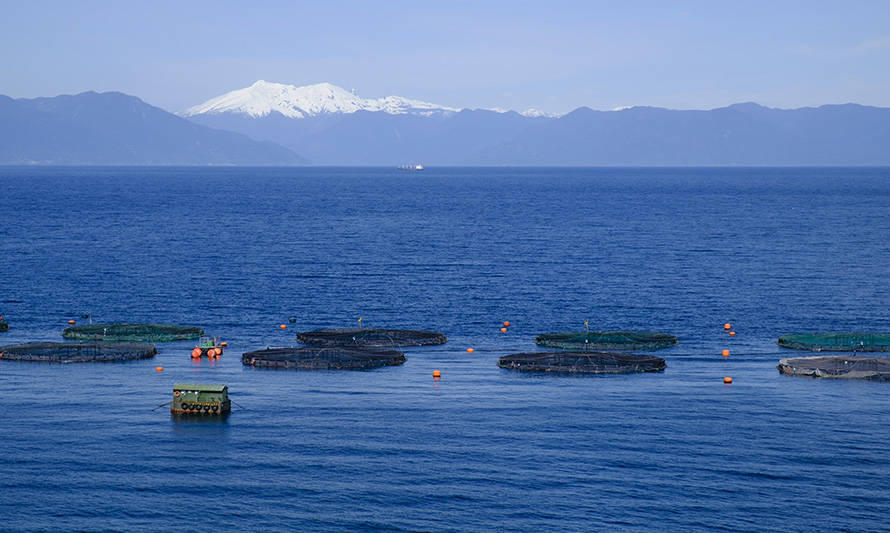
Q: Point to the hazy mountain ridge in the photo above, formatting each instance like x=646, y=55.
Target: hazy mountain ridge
x=114, y=128
x=740, y=134
x=117, y=129
x=379, y=138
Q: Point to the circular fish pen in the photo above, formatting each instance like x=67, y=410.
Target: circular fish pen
x=371, y=337
x=606, y=340
x=133, y=332
x=583, y=362
x=77, y=352
x=323, y=358
x=837, y=342
x=837, y=366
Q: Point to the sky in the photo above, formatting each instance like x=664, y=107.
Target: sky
x=552, y=55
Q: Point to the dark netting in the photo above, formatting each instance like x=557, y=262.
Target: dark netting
x=133, y=332
x=583, y=362
x=836, y=366
x=837, y=342
x=4, y=326
x=606, y=340
x=77, y=352
x=323, y=358
x=370, y=337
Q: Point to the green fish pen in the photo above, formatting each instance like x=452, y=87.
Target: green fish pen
x=838, y=366
x=133, y=332
x=837, y=342
x=606, y=340
x=583, y=362
x=76, y=352
x=323, y=358
x=371, y=337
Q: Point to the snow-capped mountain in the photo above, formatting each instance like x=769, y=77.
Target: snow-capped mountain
x=262, y=98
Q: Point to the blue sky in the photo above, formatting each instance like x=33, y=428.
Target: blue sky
x=553, y=56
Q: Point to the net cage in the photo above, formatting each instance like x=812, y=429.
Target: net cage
x=851, y=367
x=323, y=358
x=606, y=340
x=133, y=332
x=371, y=337
x=837, y=342
x=78, y=352
x=583, y=362
x=4, y=326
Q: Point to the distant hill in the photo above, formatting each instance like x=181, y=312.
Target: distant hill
x=741, y=134
x=116, y=129
x=329, y=125
x=380, y=138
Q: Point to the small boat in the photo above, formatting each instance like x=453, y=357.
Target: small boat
x=209, y=347
x=411, y=167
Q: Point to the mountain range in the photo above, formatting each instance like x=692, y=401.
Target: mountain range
x=278, y=124
x=117, y=129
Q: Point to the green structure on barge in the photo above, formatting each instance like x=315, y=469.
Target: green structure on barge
x=200, y=399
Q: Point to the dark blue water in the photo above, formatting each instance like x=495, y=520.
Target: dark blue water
x=239, y=251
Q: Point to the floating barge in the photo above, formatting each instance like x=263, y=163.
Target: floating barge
x=582, y=362
x=838, y=366
x=209, y=348
x=200, y=399
x=373, y=337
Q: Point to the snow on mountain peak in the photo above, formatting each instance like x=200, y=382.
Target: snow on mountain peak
x=263, y=97
x=537, y=113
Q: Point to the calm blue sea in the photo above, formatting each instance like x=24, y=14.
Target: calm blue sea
x=239, y=251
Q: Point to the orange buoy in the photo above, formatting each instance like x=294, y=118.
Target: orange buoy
x=732, y=333
x=727, y=380
x=196, y=352
x=503, y=330
x=437, y=374
x=725, y=353
x=727, y=326
x=159, y=369
x=223, y=344
x=71, y=322
x=470, y=350
x=283, y=326
x=507, y=324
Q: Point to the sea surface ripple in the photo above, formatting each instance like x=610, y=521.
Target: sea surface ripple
x=239, y=251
